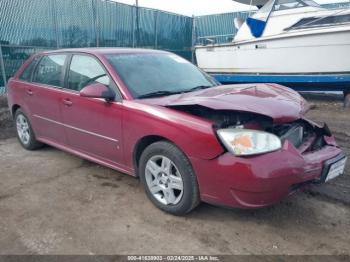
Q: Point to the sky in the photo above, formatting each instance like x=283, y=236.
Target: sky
x=199, y=7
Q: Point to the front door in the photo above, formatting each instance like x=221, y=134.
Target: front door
x=93, y=125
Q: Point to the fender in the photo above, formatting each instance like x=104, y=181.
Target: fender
x=194, y=136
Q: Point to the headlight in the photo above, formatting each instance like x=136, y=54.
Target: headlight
x=243, y=142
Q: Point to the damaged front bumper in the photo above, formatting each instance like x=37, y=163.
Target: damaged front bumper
x=262, y=180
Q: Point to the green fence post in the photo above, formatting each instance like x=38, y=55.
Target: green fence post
x=96, y=22
x=193, y=38
x=156, y=30
x=133, y=26
x=55, y=22
x=2, y=65
x=137, y=24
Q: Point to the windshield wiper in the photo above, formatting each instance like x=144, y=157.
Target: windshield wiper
x=168, y=93
x=158, y=93
x=198, y=88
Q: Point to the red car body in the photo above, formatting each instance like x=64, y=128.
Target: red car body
x=114, y=133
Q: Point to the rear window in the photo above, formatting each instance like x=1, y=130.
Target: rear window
x=27, y=72
x=49, y=70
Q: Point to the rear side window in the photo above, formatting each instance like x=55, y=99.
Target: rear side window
x=85, y=70
x=49, y=70
x=27, y=72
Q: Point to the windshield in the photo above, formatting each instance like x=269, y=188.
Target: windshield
x=288, y=4
x=158, y=73
x=278, y=5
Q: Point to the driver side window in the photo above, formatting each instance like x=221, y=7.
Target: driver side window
x=85, y=70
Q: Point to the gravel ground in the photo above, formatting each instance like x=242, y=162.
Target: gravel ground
x=6, y=124
x=54, y=203
x=338, y=120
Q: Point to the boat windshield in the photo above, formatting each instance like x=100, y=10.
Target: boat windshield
x=290, y=4
x=278, y=5
x=309, y=22
x=257, y=23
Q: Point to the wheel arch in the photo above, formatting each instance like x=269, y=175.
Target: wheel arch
x=142, y=144
x=14, y=108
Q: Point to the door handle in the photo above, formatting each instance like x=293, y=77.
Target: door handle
x=29, y=92
x=67, y=102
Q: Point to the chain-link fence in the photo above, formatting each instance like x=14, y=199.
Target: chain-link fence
x=219, y=28
x=28, y=26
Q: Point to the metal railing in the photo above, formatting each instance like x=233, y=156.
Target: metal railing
x=217, y=29
x=214, y=39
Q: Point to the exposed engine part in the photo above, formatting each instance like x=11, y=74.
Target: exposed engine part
x=296, y=132
x=300, y=133
x=295, y=135
x=226, y=118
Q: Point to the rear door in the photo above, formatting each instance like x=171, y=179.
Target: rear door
x=43, y=97
x=92, y=125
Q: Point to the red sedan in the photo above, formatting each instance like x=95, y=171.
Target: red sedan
x=154, y=115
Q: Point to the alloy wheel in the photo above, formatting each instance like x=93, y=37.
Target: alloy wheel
x=164, y=180
x=23, y=129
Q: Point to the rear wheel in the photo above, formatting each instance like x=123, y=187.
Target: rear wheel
x=168, y=178
x=25, y=132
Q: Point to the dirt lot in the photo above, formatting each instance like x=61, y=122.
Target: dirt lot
x=54, y=203
x=330, y=110
x=6, y=124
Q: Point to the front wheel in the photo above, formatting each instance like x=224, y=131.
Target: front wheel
x=168, y=178
x=25, y=132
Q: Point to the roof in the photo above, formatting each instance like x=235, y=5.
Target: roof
x=105, y=50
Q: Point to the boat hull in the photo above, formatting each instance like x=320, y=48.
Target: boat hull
x=318, y=59
x=324, y=82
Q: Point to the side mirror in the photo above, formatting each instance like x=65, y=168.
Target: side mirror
x=97, y=90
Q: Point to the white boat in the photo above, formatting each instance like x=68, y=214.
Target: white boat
x=292, y=42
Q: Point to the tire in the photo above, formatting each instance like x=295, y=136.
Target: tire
x=162, y=156
x=25, y=132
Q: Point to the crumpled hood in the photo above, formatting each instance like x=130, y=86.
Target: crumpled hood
x=278, y=102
